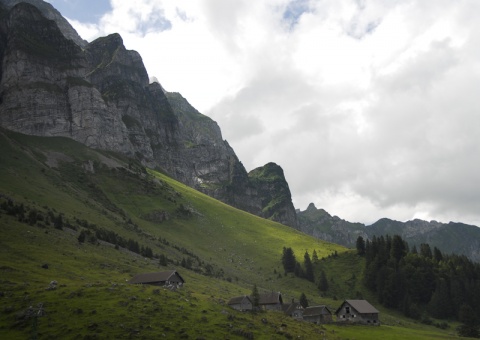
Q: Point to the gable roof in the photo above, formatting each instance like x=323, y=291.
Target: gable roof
x=317, y=310
x=238, y=299
x=289, y=309
x=155, y=277
x=270, y=298
x=361, y=306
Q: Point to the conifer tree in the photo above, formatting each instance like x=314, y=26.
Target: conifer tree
x=309, y=275
x=360, y=246
x=303, y=300
x=425, y=250
x=288, y=260
x=255, y=296
x=323, y=282
x=440, y=305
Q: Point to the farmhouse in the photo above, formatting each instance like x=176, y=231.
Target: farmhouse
x=357, y=311
x=169, y=278
x=294, y=310
x=270, y=301
x=241, y=303
x=317, y=314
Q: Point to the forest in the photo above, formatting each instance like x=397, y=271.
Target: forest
x=422, y=282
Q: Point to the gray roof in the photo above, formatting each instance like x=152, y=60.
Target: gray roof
x=238, y=299
x=361, y=306
x=317, y=310
x=155, y=277
x=289, y=309
x=270, y=298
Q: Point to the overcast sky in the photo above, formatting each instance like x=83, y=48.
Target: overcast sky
x=372, y=108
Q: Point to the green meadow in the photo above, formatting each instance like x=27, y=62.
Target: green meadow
x=53, y=189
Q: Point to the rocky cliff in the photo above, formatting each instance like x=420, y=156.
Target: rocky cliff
x=450, y=237
x=320, y=224
x=55, y=84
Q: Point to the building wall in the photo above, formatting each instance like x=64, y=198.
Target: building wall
x=355, y=316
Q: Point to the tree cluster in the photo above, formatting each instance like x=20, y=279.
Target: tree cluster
x=423, y=280
x=307, y=271
x=291, y=265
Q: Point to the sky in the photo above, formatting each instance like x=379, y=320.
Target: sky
x=372, y=108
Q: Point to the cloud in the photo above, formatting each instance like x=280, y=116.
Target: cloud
x=369, y=106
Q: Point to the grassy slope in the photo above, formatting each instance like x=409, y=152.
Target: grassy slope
x=93, y=299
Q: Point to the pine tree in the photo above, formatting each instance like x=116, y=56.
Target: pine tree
x=425, y=250
x=255, y=296
x=397, y=250
x=298, y=271
x=437, y=254
x=314, y=257
x=288, y=260
x=303, y=300
x=323, y=282
x=309, y=275
x=360, y=246
x=440, y=305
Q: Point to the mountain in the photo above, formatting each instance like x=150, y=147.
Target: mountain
x=457, y=238
x=78, y=223
x=53, y=83
x=320, y=224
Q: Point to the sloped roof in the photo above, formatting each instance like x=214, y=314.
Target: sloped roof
x=155, y=277
x=270, y=298
x=317, y=310
x=238, y=299
x=289, y=309
x=361, y=306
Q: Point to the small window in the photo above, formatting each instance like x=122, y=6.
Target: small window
x=347, y=310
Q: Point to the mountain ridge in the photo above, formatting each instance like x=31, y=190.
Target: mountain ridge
x=452, y=237
x=53, y=83
x=99, y=94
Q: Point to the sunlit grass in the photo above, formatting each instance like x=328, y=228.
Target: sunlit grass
x=93, y=299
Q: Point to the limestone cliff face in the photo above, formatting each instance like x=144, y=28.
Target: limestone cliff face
x=55, y=84
x=320, y=224
x=274, y=194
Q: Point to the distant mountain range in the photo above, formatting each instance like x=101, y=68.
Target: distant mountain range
x=54, y=83
x=458, y=238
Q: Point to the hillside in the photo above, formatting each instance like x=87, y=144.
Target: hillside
x=52, y=189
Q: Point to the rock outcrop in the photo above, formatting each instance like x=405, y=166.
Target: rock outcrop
x=55, y=84
x=322, y=225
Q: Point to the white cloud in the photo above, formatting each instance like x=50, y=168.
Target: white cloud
x=369, y=106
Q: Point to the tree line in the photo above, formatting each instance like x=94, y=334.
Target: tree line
x=422, y=282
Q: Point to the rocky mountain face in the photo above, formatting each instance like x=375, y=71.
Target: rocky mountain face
x=455, y=238
x=274, y=194
x=53, y=83
x=320, y=224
